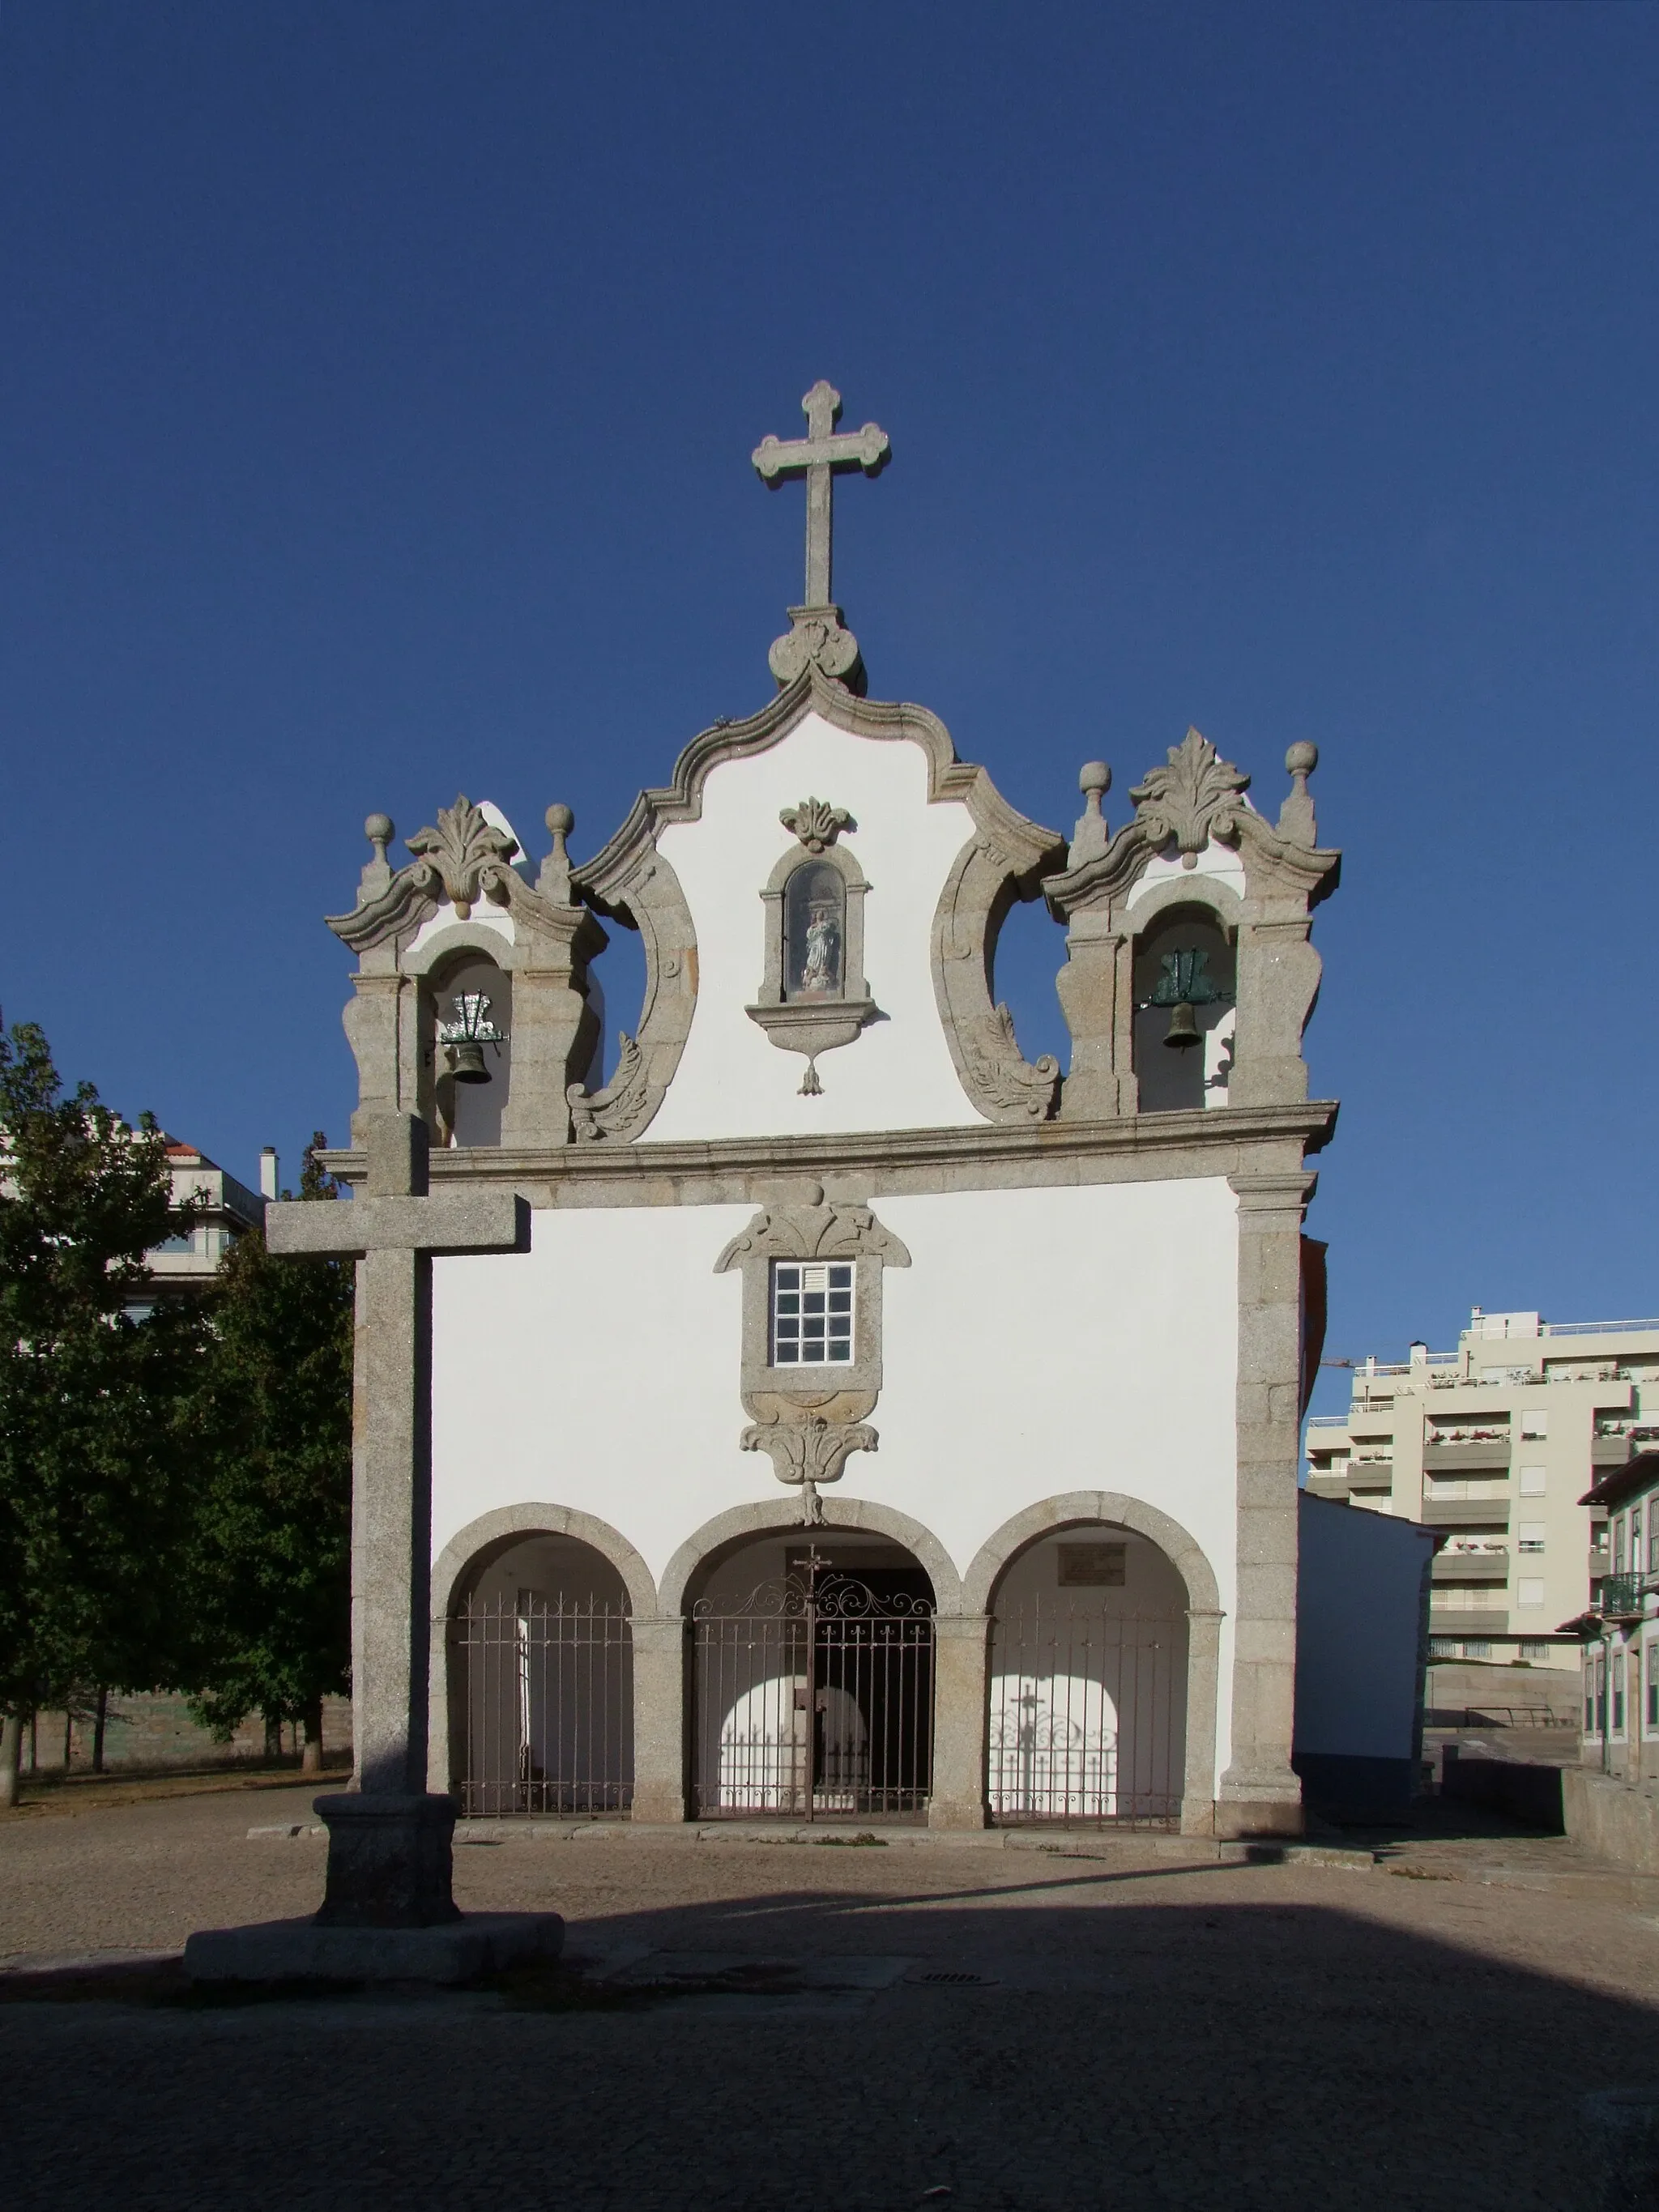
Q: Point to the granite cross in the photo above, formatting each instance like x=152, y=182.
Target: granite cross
x=389, y=1839
x=822, y=453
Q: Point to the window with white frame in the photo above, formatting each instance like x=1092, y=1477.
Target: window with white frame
x=1532, y=1482
x=1529, y=1536
x=1535, y=1424
x=1653, y=1688
x=1529, y=1590
x=812, y=1313
x=1618, y=1694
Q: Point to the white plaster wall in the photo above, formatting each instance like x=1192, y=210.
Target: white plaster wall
x=732, y=1080
x=1042, y=1342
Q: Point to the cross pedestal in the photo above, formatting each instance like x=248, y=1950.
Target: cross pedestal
x=389, y=1839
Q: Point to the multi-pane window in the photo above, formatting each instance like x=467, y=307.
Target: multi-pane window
x=1653, y=1685
x=812, y=1313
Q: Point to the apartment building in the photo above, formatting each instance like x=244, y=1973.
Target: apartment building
x=1498, y=1445
x=191, y=1259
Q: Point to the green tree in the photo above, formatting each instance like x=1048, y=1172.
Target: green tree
x=99, y=1405
x=269, y=1570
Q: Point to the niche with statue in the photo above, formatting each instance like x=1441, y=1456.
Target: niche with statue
x=469, y=1014
x=1185, y=975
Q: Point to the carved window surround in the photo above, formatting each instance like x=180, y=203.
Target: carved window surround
x=814, y=1026
x=809, y=1420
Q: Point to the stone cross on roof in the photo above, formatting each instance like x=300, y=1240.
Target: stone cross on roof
x=824, y=453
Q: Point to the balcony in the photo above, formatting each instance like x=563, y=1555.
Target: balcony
x=1466, y=1512
x=1470, y=1567
x=1326, y=1484
x=1621, y=1596
x=1478, y=1621
x=1611, y=1451
x=1487, y=1452
x=1370, y=1474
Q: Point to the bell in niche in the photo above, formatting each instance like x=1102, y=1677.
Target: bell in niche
x=466, y=1037
x=1183, y=988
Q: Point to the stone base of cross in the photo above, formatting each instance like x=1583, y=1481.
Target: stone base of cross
x=389, y=1848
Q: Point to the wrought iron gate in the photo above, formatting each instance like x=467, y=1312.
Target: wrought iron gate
x=1088, y=1715
x=548, y=1696
x=814, y=1699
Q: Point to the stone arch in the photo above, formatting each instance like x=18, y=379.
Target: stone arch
x=473, y=1546
x=507, y=1524
x=1078, y=1508
x=454, y=937
x=765, y=1515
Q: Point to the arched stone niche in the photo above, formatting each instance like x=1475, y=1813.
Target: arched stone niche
x=469, y=1114
x=813, y=996
x=1184, y=945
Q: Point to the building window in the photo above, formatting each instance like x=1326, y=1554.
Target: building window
x=1442, y=1647
x=1635, y=1539
x=1529, y=1590
x=1619, y=1546
x=1653, y=1687
x=1619, y=1695
x=811, y=1313
x=1476, y=1647
x=1529, y=1537
x=1600, y=1724
x=1534, y=1648
x=1532, y=1482
x=1535, y=1425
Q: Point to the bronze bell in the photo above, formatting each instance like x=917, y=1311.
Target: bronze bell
x=1182, y=1031
x=467, y=1063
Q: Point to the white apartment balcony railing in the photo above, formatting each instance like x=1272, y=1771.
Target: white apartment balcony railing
x=1592, y=1327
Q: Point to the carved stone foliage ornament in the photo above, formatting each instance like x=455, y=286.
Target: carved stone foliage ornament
x=1020, y=1090
x=461, y=858
x=617, y=1110
x=816, y=822
x=1192, y=799
x=809, y=1420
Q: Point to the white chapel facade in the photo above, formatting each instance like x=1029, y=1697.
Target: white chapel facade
x=878, y=1423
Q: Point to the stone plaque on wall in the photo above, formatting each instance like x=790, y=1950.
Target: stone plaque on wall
x=1092, y=1566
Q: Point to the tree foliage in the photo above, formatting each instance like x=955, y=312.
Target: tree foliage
x=269, y=1567
x=100, y=1408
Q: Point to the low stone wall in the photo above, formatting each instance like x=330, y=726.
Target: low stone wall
x=156, y=1730
x=1611, y=1819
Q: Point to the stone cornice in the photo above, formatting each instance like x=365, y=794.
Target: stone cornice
x=1033, y=851
x=1220, y=1134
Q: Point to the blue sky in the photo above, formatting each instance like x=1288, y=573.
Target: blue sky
x=377, y=385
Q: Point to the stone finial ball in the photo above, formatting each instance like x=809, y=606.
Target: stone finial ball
x=815, y=1194
x=1094, y=776
x=560, y=821
x=377, y=828
x=1302, y=758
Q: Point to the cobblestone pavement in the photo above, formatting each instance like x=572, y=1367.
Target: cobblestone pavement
x=1144, y=2030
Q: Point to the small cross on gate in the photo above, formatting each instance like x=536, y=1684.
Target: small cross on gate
x=388, y=1852
x=824, y=453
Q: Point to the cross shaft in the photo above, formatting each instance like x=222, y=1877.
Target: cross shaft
x=824, y=453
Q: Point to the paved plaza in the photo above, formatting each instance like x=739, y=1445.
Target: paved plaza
x=834, y=2027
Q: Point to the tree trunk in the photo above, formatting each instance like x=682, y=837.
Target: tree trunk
x=69, y=1737
x=311, y=1759
x=98, y=1720
x=12, y=1745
